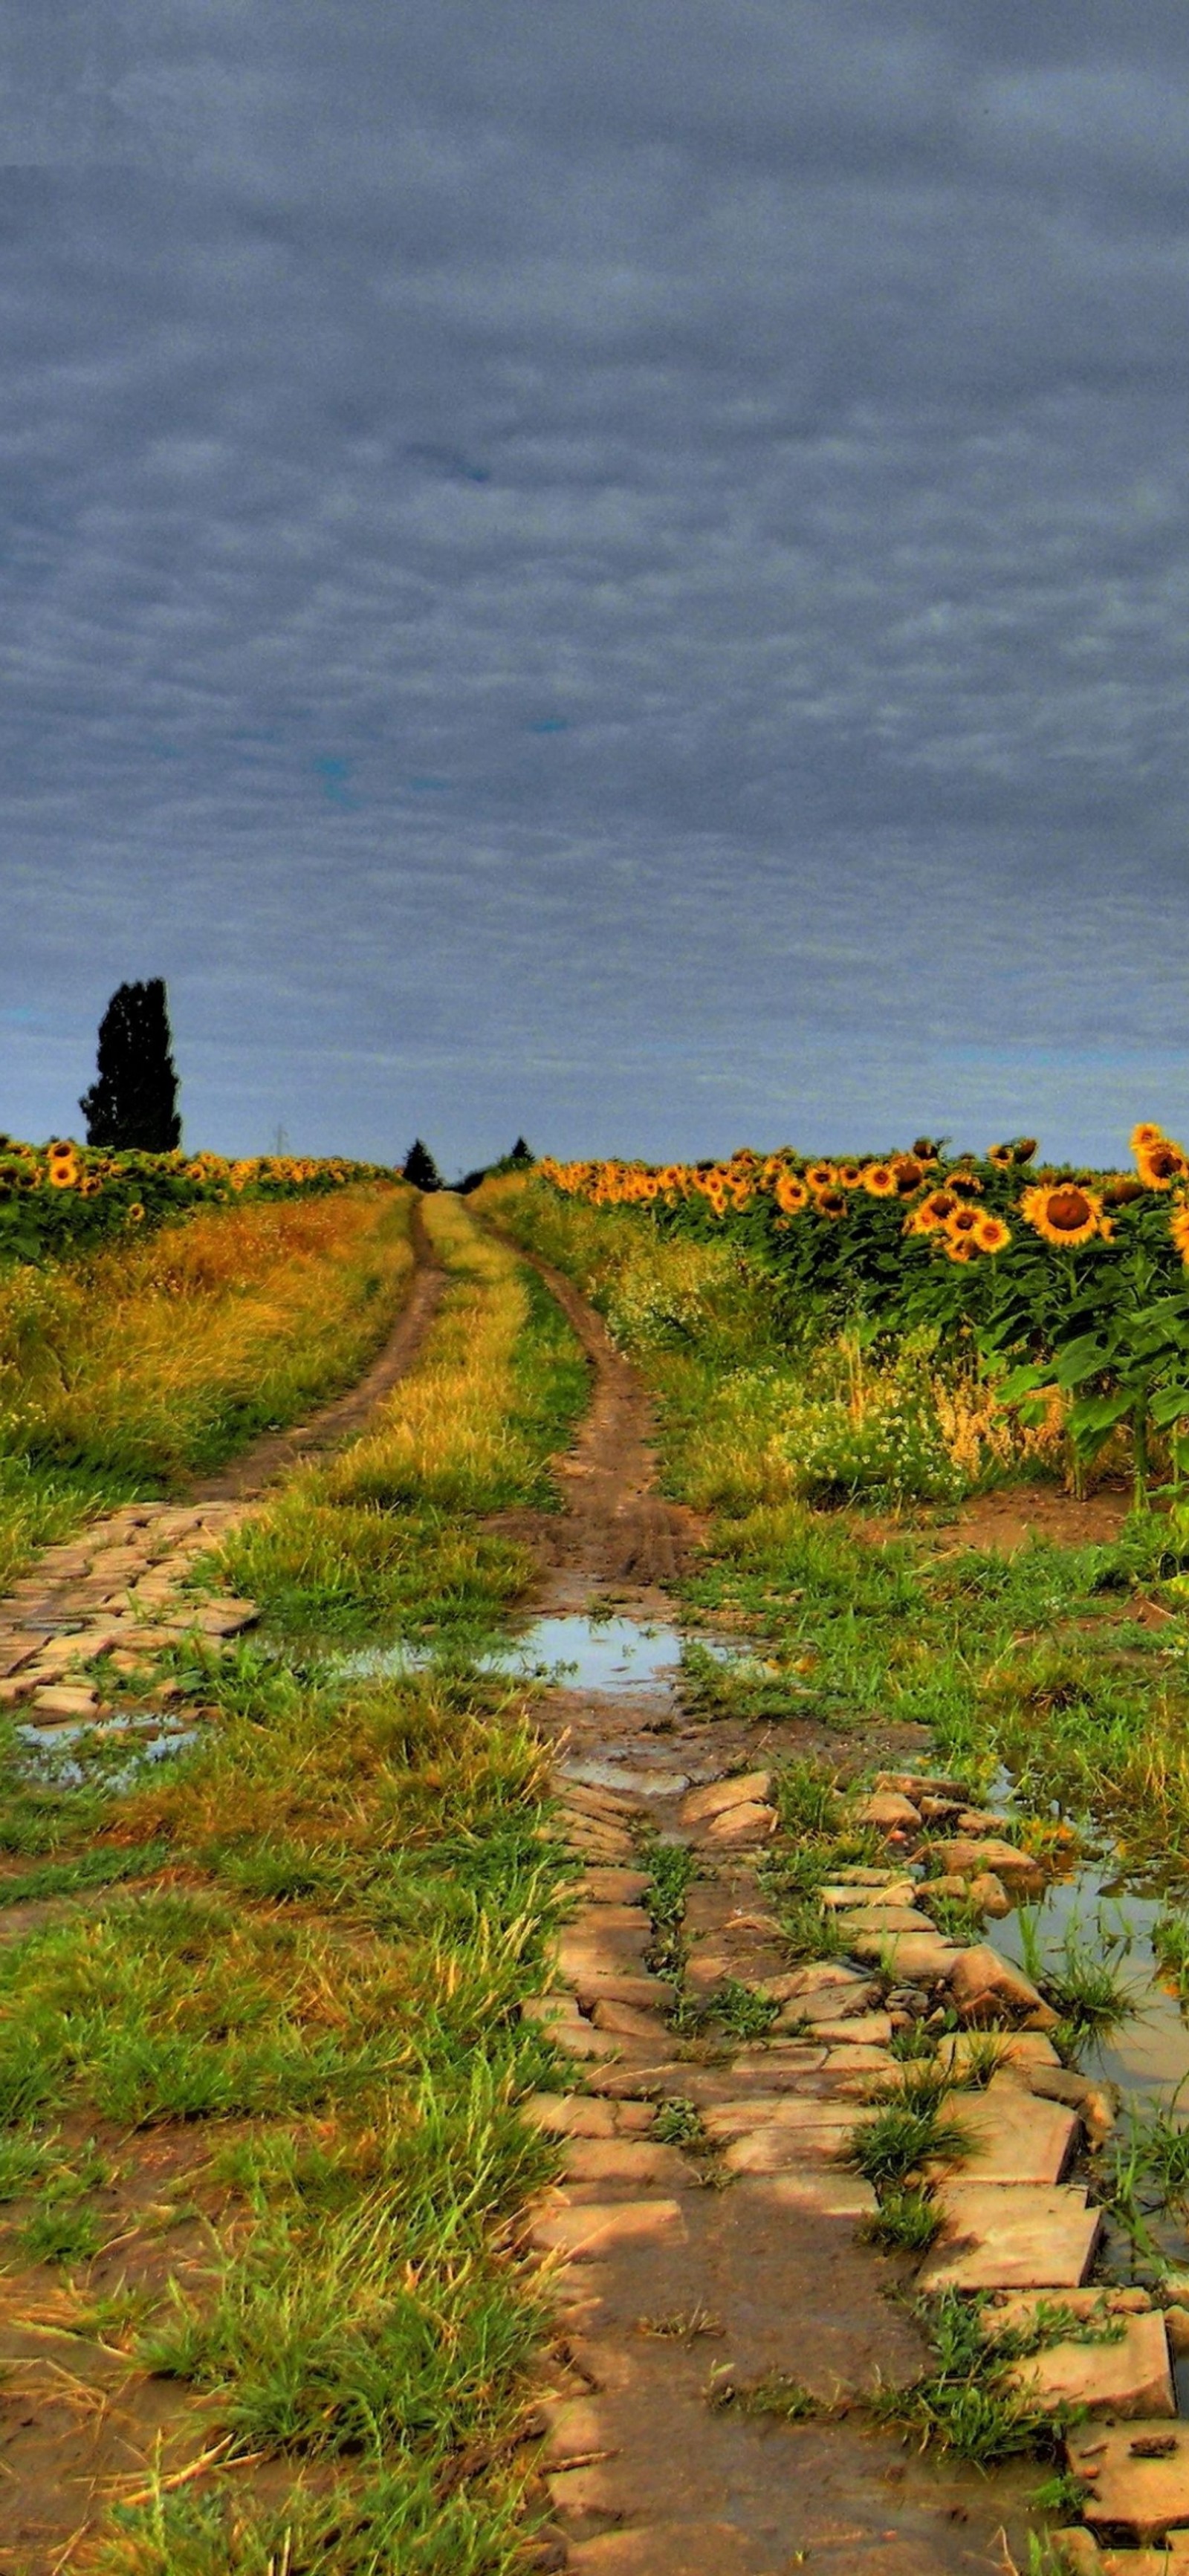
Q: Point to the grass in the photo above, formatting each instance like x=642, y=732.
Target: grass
x=904, y=2136
x=1032, y=1660
x=288, y=2011
x=966, y=2404
x=387, y=1539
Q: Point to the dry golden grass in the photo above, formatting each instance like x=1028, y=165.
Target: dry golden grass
x=125, y=1372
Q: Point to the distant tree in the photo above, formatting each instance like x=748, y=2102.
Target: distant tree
x=420, y=1167
x=521, y=1154
x=132, y=1106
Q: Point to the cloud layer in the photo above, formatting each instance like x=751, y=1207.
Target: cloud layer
x=572, y=573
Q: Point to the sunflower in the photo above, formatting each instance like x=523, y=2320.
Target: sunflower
x=1178, y=1226
x=908, y=1175
x=821, y=1176
x=63, y=1174
x=880, y=1180
x=963, y=1222
x=1121, y=1189
x=959, y=1248
x=1067, y=1214
x=1143, y=1136
x=1161, y=1164
x=1003, y=1156
x=990, y=1232
x=830, y=1202
x=791, y=1194
x=135, y=1213
x=1025, y=1148
x=934, y=1210
x=967, y=1184
x=849, y=1176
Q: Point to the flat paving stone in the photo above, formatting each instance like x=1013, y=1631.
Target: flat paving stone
x=1012, y=2236
x=614, y=1886
x=1016, y=2138
x=672, y=2549
x=649, y=1994
x=1132, y=2377
x=740, y=1826
x=747, y=1788
x=867, y=2030
x=783, y=2143
x=823, y=2191
x=633, y=2162
x=1137, y=2474
x=913, y=1957
x=583, y=2231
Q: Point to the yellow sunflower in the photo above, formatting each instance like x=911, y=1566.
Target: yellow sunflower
x=959, y=1248
x=934, y=1210
x=791, y=1194
x=1161, y=1164
x=849, y=1176
x=908, y=1175
x=990, y=1232
x=820, y=1176
x=1143, y=1136
x=830, y=1202
x=1067, y=1214
x=63, y=1174
x=967, y=1184
x=962, y=1223
x=880, y=1180
x=135, y=1213
x=1121, y=1189
x=1178, y=1226
x=1003, y=1156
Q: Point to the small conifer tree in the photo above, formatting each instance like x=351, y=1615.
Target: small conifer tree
x=420, y=1167
x=132, y=1105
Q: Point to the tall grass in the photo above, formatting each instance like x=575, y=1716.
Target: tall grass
x=297, y=1968
x=123, y=1373
x=389, y=1535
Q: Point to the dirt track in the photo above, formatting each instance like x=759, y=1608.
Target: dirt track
x=278, y=1452
x=644, y=2475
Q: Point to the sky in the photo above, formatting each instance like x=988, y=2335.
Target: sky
x=618, y=573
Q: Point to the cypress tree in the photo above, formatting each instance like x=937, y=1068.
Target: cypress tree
x=132, y=1106
x=420, y=1167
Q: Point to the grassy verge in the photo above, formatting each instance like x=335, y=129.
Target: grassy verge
x=389, y=1538
x=1070, y=1664
x=122, y=1373
x=260, y=2060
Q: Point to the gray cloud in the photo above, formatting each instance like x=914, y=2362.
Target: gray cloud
x=572, y=574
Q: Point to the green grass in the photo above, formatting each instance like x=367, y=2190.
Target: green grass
x=303, y=1950
x=388, y=1539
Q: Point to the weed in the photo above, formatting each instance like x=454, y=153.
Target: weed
x=740, y=2012
x=774, y=2395
x=684, y=2325
x=902, y=2137
x=61, y=2232
x=906, y=2221
x=678, y=2123
x=967, y=2404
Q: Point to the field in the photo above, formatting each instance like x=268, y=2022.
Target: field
x=275, y=2082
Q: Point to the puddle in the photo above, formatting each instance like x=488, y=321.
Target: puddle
x=1148, y=2055
x=53, y=1747
x=607, y=1656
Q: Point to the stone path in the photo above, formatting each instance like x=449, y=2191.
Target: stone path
x=707, y=2234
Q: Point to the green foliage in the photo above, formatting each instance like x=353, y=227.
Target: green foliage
x=132, y=1104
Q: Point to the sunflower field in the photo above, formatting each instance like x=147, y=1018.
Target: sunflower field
x=62, y=1198
x=1059, y=1281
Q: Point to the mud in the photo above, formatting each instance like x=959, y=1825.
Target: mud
x=658, y=2475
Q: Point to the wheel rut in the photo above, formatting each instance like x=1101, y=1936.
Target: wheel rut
x=721, y=2319
x=278, y=1452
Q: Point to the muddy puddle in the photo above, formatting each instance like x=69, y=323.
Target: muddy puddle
x=606, y=1656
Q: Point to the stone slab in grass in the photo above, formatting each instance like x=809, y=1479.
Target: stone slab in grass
x=614, y=1886
x=915, y=1958
x=1137, y=2475
x=824, y=2191
x=1130, y=2378
x=1012, y=2236
x=1015, y=2137
x=633, y=2163
x=748, y=1788
x=670, y=2549
x=582, y=2231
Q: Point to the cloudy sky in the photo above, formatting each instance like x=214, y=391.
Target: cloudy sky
x=619, y=571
